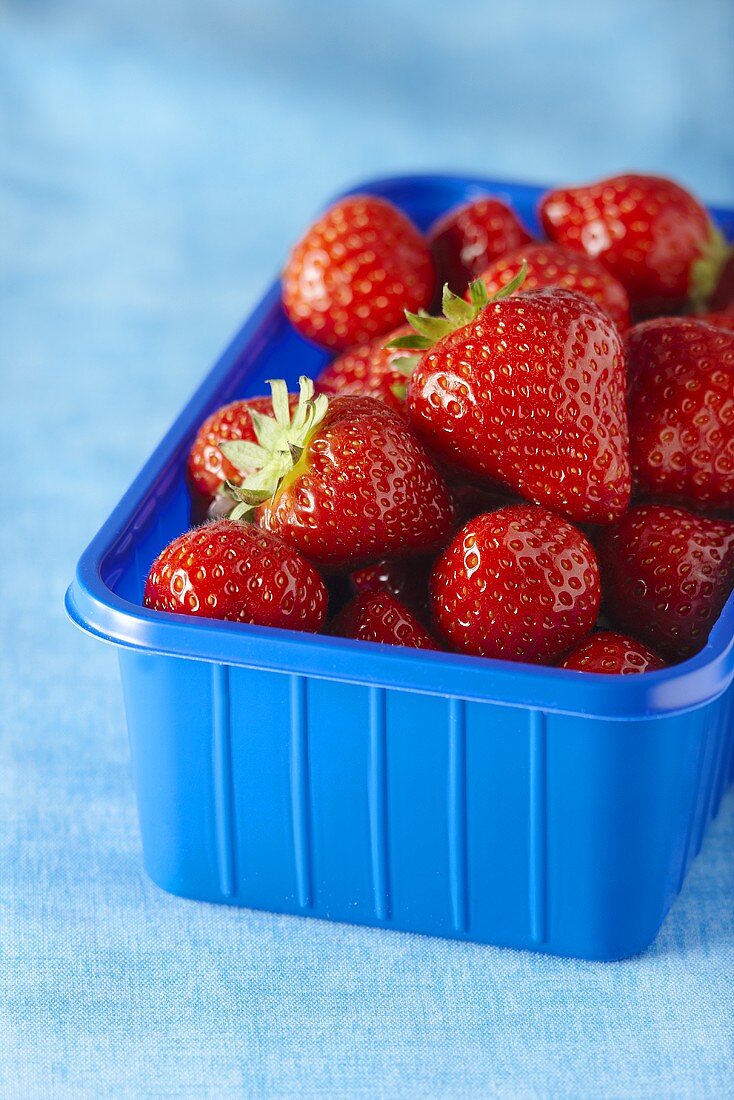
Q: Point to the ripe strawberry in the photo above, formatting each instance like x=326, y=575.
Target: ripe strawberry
x=468, y=238
x=519, y=584
x=651, y=234
x=380, y=617
x=343, y=480
x=681, y=413
x=208, y=469
x=371, y=370
x=528, y=390
x=550, y=265
x=471, y=500
x=235, y=571
x=613, y=654
x=667, y=574
x=722, y=318
x=355, y=271
x=406, y=580
x=722, y=297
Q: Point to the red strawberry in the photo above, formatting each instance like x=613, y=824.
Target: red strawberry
x=667, y=574
x=681, y=413
x=471, y=500
x=550, y=265
x=237, y=572
x=371, y=370
x=722, y=318
x=406, y=579
x=355, y=271
x=343, y=480
x=380, y=617
x=208, y=469
x=723, y=294
x=519, y=584
x=468, y=238
x=651, y=234
x=528, y=391
x=612, y=654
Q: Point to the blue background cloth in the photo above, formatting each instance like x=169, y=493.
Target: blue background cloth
x=155, y=161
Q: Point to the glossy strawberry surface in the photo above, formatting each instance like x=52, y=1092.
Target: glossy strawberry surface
x=531, y=394
x=363, y=489
x=237, y=572
x=549, y=265
x=519, y=584
x=381, y=617
x=667, y=574
x=207, y=468
x=355, y=271
x=468, y=238
x=612, y=654
x=649, y=232
x=369, y=370
x=681, y=413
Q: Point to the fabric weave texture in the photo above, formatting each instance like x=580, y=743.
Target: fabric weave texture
x=155, y=161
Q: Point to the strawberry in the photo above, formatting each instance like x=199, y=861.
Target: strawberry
x=354, y=272
x=380, y=617
x=551, y=265
x=681, y=414
x=406, y=579
x=651, y=234
x=519, y=584
x=722, y=297
x=472, y=500
x=468, y=238
x=371, y=370
x=612, y=654
x=343, y=480
x=235, y=571
x=208, y=469
x=667, y=574
x=722, y=318
x=528, y=391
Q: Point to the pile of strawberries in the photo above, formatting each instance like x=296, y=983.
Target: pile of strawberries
x=538, y=466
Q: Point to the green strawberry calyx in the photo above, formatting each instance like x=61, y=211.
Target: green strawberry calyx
x=457, y=312
x=706, y=270
x=281, y=440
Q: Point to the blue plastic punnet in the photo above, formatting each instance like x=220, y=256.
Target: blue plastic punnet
x=476, y=799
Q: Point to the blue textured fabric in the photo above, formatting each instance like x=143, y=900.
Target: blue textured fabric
x=155, y=160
